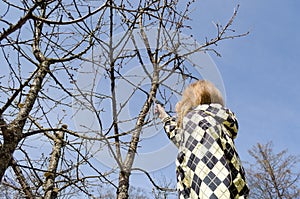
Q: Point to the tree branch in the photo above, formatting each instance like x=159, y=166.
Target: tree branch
x=49, y=186
x=22, y=180
x=19, y=24
x=152, y=181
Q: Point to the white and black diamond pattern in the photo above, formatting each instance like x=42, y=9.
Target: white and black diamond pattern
x=208, y=166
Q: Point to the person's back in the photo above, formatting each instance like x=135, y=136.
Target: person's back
x=207, y=164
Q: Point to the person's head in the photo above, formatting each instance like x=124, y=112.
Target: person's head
x=199, y=92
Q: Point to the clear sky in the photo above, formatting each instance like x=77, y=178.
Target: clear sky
x=260, y=71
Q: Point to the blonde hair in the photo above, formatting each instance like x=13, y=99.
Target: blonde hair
x=200, y=92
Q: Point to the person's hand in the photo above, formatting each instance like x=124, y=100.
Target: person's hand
x=160, y=110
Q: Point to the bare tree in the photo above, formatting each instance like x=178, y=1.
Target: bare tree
x=39, y=44
x=273, y=175
x=46, y=46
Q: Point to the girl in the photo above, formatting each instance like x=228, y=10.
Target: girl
x=207, y=165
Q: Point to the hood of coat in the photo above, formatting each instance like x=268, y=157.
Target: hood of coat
x=221, y=115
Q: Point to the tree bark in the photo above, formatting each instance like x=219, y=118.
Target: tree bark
x=50, y=190
x=12, y=132
x=123, y=188
x=125, y=173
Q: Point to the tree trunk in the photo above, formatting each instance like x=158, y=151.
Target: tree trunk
x=124, y=175
x=6, y=152
x=122, y=192
x=12, y=132
x=49, y=186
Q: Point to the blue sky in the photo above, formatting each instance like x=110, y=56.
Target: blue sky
x=260, y=71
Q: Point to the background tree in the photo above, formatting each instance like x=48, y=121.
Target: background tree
x=46, y=46
x=273, y=175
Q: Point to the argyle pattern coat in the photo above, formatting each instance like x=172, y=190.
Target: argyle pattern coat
x=207, y=165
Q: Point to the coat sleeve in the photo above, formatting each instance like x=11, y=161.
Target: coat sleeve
x=172, y=131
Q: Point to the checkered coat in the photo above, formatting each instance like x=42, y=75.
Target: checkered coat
x=207, y=165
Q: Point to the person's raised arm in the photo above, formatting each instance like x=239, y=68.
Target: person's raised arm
x=170, y=125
